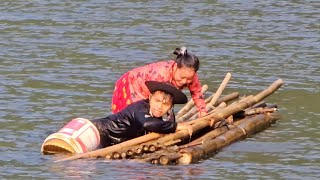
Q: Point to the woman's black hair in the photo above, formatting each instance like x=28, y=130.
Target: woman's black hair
x=185, y=59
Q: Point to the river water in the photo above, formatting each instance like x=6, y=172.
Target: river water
x=60, y=59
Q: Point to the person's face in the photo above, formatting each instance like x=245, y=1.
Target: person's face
x=160, y=103
x=183, y=76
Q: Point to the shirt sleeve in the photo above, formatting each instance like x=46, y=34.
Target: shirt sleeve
x=197, y=95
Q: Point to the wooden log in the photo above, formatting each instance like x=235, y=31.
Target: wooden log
x=172, y=142
x=108, y=150
x=220, y=89
x=256, y=124
x=139, y=150
x=145, y=148
x=224, y=113
x=169, y=151
x=246, y=128
x=115, y=155
x=220, y=106
x=154, y=161
x=213, y=134
x=190, y=155
x=108, y=156
x=190, y=144
x=213, y=100
x=152, y=148
x=259, y=110
x=202, y=123
x=130, y=153
x=190, y=104
x=124, y=155
x=226, y=99
x=126, y=152
x=168, y=158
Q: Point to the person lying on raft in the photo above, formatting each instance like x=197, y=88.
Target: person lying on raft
x=154, y=114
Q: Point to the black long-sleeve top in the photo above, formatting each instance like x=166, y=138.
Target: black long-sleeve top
x=133, y=121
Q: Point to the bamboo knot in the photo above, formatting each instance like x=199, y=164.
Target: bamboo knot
x=243, y=130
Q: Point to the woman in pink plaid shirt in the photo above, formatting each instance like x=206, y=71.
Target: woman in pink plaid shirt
x=181, y=72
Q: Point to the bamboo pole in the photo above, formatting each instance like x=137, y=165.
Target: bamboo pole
x=259, y=110
x=190, y=104
x=172, y=142
x=130, y=152
x=168, y=158
x=246, y=128
x=220, y=106
x=213, y=100
x=202, y=123
x=108, y=150
x=220, y=89
x=224, y=113
x=154, y=158
x=115, y=155
x=246, y=101
x=226, y=99
x=212, y=134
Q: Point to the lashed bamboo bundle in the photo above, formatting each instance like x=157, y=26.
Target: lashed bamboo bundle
x=210, y=105
x=192, y=148
x=248, y=127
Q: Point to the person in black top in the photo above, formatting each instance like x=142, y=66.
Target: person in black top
x=154, y=114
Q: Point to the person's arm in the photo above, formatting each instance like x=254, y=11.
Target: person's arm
x=197, y=95
x=152, y=124
x=159, y=126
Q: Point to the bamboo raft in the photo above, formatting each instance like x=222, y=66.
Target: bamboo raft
x=230, y=119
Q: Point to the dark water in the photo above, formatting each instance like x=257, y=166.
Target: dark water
x=59, y=60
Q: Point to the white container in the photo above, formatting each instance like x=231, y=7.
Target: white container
x=78, y=136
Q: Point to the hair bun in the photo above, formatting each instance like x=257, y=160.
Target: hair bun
x=180, y=51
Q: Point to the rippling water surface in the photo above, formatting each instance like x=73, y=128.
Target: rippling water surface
x=59, y=60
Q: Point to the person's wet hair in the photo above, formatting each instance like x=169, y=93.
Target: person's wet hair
x=166, y=96
x=185, y=59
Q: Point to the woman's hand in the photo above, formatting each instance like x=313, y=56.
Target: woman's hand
x=202, y=113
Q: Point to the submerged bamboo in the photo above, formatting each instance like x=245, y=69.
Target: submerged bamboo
x=257, y=123
x=168, y=158
x=223, y=113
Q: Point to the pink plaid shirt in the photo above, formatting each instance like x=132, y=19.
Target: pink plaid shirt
x=161, y=71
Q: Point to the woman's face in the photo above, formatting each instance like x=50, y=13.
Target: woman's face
x=183, y=76
x=160, y=103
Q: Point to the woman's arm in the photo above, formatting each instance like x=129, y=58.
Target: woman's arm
x=197, y=95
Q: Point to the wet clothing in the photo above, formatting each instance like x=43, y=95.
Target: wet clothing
x=133, y=121
x=131, y=86
x=121, y=95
